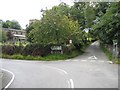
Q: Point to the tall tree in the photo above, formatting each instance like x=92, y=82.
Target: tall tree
x=89, y=15
x=77, y=13
x=9, y=35
x=107, y=29
x=12, y=24
x=3, y=36
x=55, y=28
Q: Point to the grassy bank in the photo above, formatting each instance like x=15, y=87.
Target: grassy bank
x=110, y=56
x=50, y=57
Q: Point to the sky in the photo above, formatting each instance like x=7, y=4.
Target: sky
x=24, y=10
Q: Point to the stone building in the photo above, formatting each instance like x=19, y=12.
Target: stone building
x=32, y=21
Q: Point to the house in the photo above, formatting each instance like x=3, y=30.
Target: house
x=32, y=21
x=18, y=35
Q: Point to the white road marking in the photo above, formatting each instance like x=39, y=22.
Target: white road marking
x=95, y=57
x=71, y=83
x=67, y=60
x=61, y=70
x=58, y=69
x=13, y=77
x=75, y=60
x=83, y=60
x=92, y=57
x=60, y=60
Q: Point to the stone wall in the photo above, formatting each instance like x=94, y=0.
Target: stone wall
x=111, y=49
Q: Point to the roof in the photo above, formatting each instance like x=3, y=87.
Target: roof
x=17, y=35
x=13, y=29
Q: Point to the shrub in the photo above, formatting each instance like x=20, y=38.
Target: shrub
x=78, y=46
x=11, y=49
x=68, y=48
x=36, y=50
x=17, y=56
x=6, y=56
x=55, y=57
x=28, y=57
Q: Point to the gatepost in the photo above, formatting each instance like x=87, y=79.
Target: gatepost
x=115, y=49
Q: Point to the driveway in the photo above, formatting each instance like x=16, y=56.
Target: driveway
x=90, y=70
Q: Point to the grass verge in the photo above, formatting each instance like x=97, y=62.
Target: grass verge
x=110, y=56
x=50, y=57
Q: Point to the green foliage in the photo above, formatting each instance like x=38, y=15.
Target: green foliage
x=69, y=55
x=89, y=15
x=55, y=57
x=11, y=49
x=36, y=50
x=109, y=55
x=9, y=35
x=101, y=8
x=55, y=28
x=50, y=57
x=3, y=36
x=17, y=56
x=84, y=13
x=107, y=52
x=62, y=9
x=107, y=29
x=11, y=24
x=32, y=26
x=77, y=13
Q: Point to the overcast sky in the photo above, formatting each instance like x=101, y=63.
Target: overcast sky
x=23, y=10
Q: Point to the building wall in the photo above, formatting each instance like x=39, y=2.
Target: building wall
x=32, y=21
x=18, y=35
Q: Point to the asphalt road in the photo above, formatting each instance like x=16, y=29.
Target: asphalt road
x=90, y=70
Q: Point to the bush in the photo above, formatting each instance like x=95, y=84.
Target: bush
x=11, y=49
x=110, y=56
x=36, y=50
x=55, y=57
x=68, y=48
x=78, y=46
x=28, y=57
x=17, y=56
x=6, y=56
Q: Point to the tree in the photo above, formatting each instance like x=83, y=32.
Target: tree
x=3, y=36
x=107, y=29
x=55, y=28
x=89, y=15
x=31, y=28
x=9, y=35
x=101, y=8
x=11, y=24
x=62, y=9
x=77, y=13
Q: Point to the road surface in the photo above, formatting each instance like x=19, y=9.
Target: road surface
x=90, y=70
